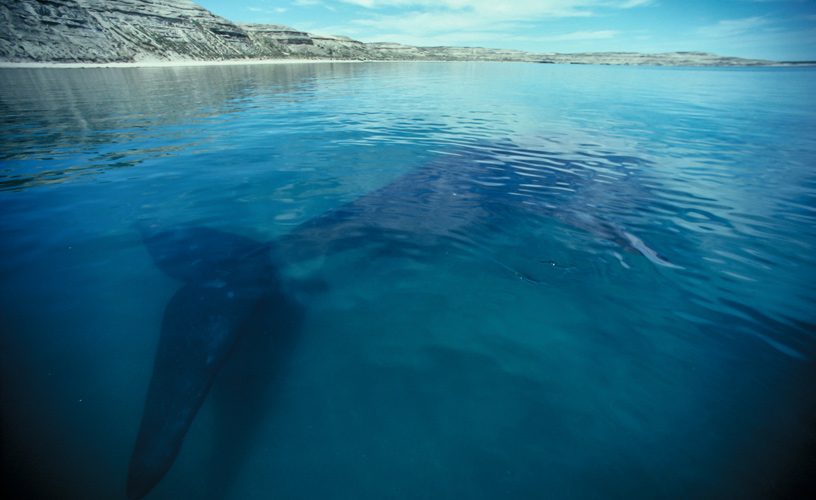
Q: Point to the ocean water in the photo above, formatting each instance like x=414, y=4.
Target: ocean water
x=507, y=280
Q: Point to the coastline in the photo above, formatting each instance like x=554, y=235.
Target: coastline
x=163, y=63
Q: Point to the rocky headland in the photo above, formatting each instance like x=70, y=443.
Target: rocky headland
x=132, y=31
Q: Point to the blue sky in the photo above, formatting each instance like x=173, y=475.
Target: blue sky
x=765, y=29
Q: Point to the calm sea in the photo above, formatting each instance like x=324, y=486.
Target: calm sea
x=515, y=281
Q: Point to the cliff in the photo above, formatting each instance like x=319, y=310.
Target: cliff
x=104, y=31
x=120, y=31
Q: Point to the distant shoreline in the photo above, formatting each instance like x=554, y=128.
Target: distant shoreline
x=163, y=63
x=257, y=62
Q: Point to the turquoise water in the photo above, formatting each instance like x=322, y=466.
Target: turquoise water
x=514, y=280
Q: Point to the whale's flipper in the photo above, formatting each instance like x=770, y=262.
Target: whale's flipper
x=227, y=276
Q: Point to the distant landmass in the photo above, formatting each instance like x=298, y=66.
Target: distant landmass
x=108, y=31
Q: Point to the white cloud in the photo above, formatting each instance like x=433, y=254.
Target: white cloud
x=634, y=3
x=517, y=9
x=732, y=27
x=363, y=3
x=580, y=35
x=449, y=19
x=575, y=36
x=278, y=10
x=314, y=3
x=427, y=23
x=761, y=36
x=438, y=22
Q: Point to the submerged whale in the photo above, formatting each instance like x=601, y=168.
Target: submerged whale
x=226, y=277
x=451, y=202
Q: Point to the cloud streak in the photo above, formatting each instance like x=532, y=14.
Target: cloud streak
x=464, y=20
x=579, y=35
x=518, y=9
x=733, y=27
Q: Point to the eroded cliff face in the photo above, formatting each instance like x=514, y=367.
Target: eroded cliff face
x=103, y=31
x=60, y=30
x=100, y=31
x=121, y=30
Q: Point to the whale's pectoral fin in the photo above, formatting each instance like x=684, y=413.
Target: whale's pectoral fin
x=638, y=244
x=200, y=329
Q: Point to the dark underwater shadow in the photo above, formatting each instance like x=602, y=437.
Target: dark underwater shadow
x=246, y=391
x=235, y=303
x=233, y=300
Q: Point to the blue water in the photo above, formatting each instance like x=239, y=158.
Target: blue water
x=526, y=282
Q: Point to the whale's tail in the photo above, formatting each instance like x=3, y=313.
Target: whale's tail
x=226, y=277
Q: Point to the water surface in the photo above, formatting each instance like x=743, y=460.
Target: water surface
x=537, y=281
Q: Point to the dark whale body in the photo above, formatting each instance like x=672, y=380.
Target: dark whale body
x=450, y=202
x=225, y=277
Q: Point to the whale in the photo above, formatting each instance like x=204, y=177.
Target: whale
x=458, y=201
x=226, y=277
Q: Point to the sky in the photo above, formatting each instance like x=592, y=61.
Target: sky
x=779, y=30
